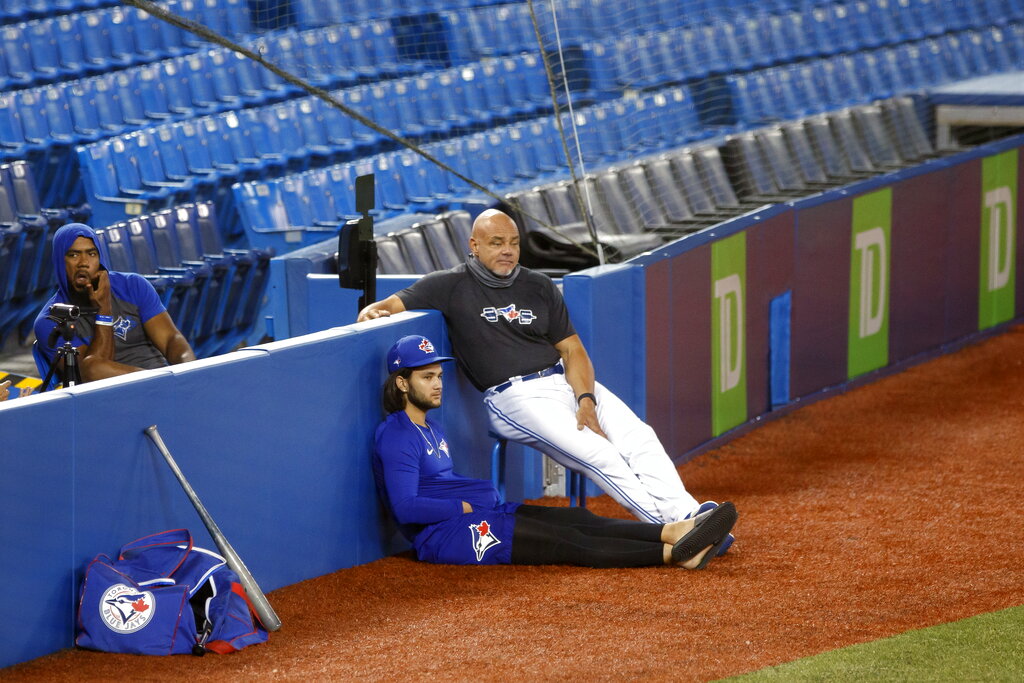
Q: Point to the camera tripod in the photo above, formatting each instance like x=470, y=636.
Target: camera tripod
x=66, y=352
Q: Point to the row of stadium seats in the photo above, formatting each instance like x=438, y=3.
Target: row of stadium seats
x=97, y=41
x=502, y=157
x=313, y=13
x=684, y=190
x=213, y=294
x=821, y=151
x=816, y=86
x=189, y=86
x=183, y=160
x=26, y=230
x=727, y=43
x=437, y=243
x=19, y=10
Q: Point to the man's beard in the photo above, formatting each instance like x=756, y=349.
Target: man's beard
x=422, y=402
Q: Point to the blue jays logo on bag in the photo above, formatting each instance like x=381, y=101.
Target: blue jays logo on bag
x=483, y=539
x=122, y=326
x=126, y=610
x=509, y=313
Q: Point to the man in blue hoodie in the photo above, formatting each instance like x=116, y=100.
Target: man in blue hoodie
x=123, y=325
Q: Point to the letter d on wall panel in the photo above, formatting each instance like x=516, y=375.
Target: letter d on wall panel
x=728, y=333
x=870, y=277
x=998, y=272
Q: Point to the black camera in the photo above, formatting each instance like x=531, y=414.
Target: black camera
x=63, y=312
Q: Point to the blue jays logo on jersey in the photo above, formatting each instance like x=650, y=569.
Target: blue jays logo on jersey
x=483, y=539
x=509, y=313
x=124, y=609
x=122, y=326
x=443, y=447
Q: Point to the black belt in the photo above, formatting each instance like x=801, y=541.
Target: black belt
x=556, y=369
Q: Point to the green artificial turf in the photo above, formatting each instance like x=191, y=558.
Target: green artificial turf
x=989, y=647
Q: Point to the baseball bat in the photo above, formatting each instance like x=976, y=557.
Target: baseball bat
x=266, y=613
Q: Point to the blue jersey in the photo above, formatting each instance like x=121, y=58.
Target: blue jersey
x=412, y=466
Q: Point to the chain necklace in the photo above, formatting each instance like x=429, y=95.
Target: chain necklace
x=433, y=447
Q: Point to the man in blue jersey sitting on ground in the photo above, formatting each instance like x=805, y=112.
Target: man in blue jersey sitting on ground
x=452, y=519
x=123, y=325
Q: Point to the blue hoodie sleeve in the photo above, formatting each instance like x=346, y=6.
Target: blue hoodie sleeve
x=399, y=457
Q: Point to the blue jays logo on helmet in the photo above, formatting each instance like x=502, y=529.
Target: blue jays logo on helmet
x=483, y=539
x=413, y=351
x=509, y=313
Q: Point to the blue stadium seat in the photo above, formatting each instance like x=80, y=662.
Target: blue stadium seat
x=788, y=101
x=867, y=65
x=1015, y=43
x=974, y=49
x=448, y=84
x=997, y=52
x=459, y=32
x=851, y=86
x=197, y=73
x=17, y=57
x=226, y=89
x=536, y=81
x=452, y=154
x=545, y=157
x=327, y=131
x=423, y=181
x=42, y=44
x=230, y=144
x=747, y=106
x=602, y=63
x=104, y=43
x=945, y=59
x=467, y=95
x=890, y=65
x=341, y=184
x=905, y=17
x=152, y=94
x=390, y=193
x=320, y=193
x=357, y=99
x=754, y=38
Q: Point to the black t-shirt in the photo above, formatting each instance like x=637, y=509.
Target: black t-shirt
x=496, y=333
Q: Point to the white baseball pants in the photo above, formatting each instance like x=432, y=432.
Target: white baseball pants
x=630, y=465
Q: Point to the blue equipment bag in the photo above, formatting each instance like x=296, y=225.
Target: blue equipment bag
x=164, y=596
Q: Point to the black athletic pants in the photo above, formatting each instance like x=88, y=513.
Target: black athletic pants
x=547, y=535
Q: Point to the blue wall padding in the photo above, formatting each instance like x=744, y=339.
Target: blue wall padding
x=778, y=351
x=602, y=306
x=37, y=443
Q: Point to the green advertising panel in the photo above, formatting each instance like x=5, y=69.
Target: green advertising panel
x=728, y=333
x=998, y=272
x=868, y=336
